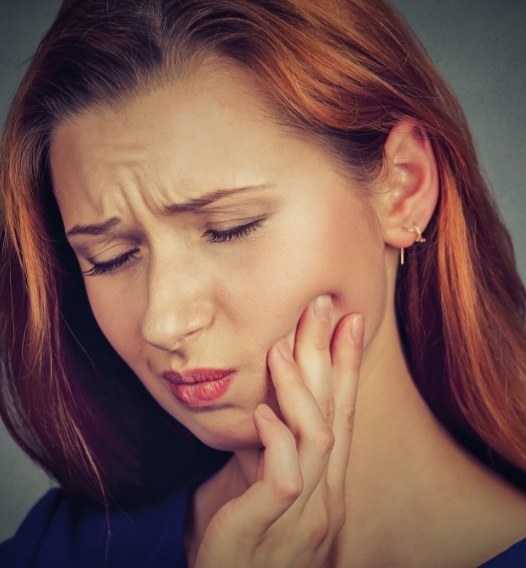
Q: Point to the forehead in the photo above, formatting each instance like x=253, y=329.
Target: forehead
x=210, y=129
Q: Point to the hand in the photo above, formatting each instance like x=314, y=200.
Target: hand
x=290, y=516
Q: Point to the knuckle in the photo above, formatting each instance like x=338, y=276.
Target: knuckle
x=339, y=516
x=324, y=440
x=288, y=489
x=327, y=407
x=320, y=343
x=349, y=419
x=318, y=530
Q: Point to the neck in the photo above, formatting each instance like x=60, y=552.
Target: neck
x=410, y=486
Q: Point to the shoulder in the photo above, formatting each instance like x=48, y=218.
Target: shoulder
x=18, y=550
x=513, y=557
x=60, y=532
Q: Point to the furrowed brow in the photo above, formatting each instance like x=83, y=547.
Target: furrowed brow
x=195, y=204
x=94, y=229
x=200, y=202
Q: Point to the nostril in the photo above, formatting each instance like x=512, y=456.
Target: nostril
x=171, y=335
x=177, y=307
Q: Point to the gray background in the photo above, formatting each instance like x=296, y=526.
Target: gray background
x=478, y=45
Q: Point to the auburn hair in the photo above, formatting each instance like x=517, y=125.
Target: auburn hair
x=343, y=71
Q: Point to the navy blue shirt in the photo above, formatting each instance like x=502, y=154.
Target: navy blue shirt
x=58, y=534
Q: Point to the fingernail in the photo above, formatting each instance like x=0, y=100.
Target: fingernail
x=357, y=327
x=285, y=351
x=322, y=306
x=266, y=412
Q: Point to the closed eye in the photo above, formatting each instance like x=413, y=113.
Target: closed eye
x=234, y=233
x=212, y=235
x=111, y=265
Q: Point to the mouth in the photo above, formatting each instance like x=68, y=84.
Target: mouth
x=197, y=388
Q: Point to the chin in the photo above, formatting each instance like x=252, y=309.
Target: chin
x=234, y=437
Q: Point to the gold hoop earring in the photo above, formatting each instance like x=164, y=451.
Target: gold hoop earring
x=418, y=239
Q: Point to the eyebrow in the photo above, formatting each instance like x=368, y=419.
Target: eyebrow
x=192, y=205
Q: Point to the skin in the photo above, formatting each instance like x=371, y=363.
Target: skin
x=184, y=302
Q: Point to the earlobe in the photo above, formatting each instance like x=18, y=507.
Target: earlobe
x=411, y=186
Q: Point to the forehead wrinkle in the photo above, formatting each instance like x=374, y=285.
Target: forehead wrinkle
x=113, y=170
x=131, y=180
x=131, y=187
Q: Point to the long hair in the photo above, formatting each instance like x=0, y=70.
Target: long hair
x=342, y=71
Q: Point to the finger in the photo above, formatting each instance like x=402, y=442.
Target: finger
x=347, y=349
x=250, y=515
x=301, y=414
x=312, y=353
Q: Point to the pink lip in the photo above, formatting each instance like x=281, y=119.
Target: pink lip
x=197, y=388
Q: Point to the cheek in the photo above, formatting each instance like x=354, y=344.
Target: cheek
x=356, y=264
x=117, y=314
x=335, y=252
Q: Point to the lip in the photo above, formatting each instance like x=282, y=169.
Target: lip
x=197, y=388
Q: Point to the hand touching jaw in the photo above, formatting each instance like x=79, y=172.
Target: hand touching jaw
x=295, y=505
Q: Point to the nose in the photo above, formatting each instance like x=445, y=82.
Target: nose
x=178, y=308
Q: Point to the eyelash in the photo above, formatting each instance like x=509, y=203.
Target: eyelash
x=214, y=237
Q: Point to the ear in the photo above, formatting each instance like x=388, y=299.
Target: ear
x=411, y=191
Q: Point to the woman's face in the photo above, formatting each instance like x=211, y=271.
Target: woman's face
x=175, y=288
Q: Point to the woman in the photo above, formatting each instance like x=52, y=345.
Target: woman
x=224, y=213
